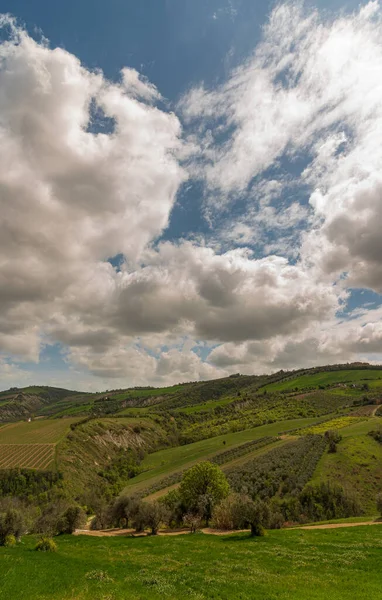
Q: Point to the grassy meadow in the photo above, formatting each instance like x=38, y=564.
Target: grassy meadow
x=339, y=564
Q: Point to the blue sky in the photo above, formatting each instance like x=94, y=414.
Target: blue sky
x=221, y=216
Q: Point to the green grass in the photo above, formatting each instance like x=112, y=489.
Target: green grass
x=357, y=466
x=165, y=462
x=41, y=431
x=327, y=378
x=341, y=564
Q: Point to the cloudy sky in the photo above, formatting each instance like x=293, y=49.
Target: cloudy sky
x=188, y=189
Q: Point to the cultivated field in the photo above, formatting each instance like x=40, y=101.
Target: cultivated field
x=42, y=431
x=31, y=445
x=332, y=564
x=165, y=462
x=372, y=377
x=27, y=456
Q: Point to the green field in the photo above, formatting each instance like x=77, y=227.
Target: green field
x=165, y=462
x=41, y=431
x=357, y=467
x=341, y=564
x=328, y=378
x=333, y=424
x=26, y=456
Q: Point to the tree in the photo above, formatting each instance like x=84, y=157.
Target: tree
x=73, y=518
x=192, y=521
x=154, y=513
x=123, y=510
x=11, y=524
x=379, y=503
x=257, y=515
x=333, y=438
x=202, y=487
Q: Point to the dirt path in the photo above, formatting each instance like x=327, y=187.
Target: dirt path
x=208, y=530
x=338, y=525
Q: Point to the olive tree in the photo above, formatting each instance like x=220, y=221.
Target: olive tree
x=202, y=488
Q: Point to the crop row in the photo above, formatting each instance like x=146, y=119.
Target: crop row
x=32, y=456
x=282, y=471
x=218, y=459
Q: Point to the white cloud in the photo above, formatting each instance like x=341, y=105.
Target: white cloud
x=70, y=198
x=312, y=89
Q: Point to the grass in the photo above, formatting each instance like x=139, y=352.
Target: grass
x=327, y=378
x=357, y=466
x=340, y=564
x=228, y=465
x=36, y=432
x=165, y=462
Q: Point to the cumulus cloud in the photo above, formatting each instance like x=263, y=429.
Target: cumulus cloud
x=71, y=198
x=311, y=89
x=90, y=169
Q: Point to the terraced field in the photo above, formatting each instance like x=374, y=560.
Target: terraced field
x=26, y=456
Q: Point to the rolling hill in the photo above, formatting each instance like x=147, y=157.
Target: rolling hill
x=160, y=432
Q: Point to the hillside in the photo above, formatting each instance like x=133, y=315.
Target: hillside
x=141, y=440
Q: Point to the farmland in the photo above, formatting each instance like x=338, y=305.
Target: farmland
x=31, y=445
x=357, y=466
x=280, y=566
x=165, y=462
x=36, y=432
x=352, y=376
x=332, y=424
x=27, y=456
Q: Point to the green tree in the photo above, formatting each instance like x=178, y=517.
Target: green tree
x=11, y=524
x=202, y=487
x=379, y=503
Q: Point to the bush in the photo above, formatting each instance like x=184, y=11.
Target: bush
x=193, y=521
x=154, y=514
x=46, y=544
x=11, y=523
x=328, y=501
x=379, y=503
x=73, y=518
x=10, y=541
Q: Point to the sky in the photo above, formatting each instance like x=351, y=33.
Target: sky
x=188, y=189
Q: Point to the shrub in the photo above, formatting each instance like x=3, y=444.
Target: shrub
x=328, y=501
x=10, y=541
x=379, y=503
x=193, y=521
x=154, y=513
x=73, y=518
x=46, y=544
x=11, y=523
